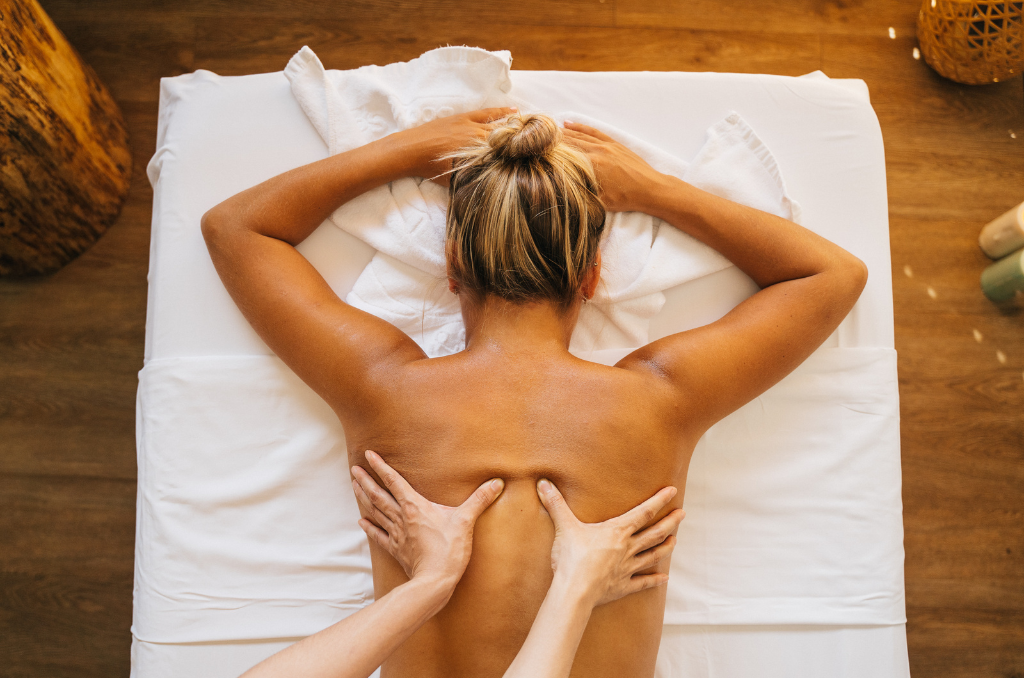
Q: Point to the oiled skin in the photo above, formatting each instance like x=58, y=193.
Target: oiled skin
x=515, y=404
x=607, y=437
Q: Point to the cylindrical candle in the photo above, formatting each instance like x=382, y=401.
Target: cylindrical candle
x=1003, y=234
x=1004, y=279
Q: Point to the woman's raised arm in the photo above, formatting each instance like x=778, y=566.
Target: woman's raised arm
x=252, y=237
x=808, y=285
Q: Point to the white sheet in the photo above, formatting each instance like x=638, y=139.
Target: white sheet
x=692, y=651
x=206, y=151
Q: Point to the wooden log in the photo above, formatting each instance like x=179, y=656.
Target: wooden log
x=65, y=163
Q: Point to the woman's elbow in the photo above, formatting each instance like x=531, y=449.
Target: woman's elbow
x=860, y=274
x=214, y=223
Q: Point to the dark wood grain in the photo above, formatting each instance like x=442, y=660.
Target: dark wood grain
x=71, y=344
x=231, y=46
x=65, y=162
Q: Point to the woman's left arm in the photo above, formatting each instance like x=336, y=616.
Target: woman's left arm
x=433, y=544
x=252, y=237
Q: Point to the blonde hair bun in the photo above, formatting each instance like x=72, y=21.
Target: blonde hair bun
x=524, y=137
x=524, y=216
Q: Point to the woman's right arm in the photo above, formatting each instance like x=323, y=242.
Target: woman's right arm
x=808, y=284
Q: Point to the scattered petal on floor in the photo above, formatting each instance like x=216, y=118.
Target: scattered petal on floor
x=892, y=32
x=917, y=53
x=932, y=293
x=1001, y=357
x=907, y=271
x=977, y=336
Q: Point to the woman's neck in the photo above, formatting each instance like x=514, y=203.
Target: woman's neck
x=502, y=327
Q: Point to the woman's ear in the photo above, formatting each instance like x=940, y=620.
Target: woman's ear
x=453, y=286
x=592, y=278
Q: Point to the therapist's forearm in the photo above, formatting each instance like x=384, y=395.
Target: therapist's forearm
x=292, y=205
x=550, y=648
x=357, y=645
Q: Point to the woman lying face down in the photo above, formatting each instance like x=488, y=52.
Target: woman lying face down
x=526, y=213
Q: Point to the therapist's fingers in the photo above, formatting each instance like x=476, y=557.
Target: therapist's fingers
x=554, y=503
x=645, y=512
x=483, y=497
x=377, y=496
x=658, y=532
x=642, y=582
x=371, y=510
x=399, y=488
x=652, y=557
x=377, y=535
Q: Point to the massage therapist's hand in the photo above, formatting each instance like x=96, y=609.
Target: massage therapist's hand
x=626, y=180
x=594, y=564
x=422, y=146
x=432, y=542
x=607, y=557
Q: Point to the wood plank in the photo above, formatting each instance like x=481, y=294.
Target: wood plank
x=351, y=43
x=84, y=616
x=777, y=16
x=130, y=54
x=384, y=14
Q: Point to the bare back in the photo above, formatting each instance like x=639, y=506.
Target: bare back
x=605, y=436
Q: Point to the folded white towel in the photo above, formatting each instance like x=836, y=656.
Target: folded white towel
x=405, y=221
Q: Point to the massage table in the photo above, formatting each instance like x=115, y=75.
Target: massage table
x=194, y=614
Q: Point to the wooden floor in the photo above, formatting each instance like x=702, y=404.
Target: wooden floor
x=71, y=344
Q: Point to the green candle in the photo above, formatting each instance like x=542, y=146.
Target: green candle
x=1004, y=279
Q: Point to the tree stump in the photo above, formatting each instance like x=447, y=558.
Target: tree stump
x=65, y=163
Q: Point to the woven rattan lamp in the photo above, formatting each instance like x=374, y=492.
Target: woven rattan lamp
x=973, y=41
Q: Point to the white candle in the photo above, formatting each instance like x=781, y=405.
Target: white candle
x=1003, y=234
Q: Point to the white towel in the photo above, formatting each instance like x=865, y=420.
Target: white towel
x=405, y=220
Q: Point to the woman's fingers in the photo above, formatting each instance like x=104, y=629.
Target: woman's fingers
x=656, y=533
x=653, y=556
x=485, y=115
x=645, y=512
x=587, y=130
x=554, y=503
x=482, y=498
x=396, y=484
x=578, y=139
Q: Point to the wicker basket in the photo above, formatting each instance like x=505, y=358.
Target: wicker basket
x=973, y=41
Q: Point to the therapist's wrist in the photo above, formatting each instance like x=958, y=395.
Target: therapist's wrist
x=435, y=590
x=575, y=591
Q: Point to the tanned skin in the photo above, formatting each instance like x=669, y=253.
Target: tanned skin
x=515, y=404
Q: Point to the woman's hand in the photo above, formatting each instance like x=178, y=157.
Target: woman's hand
x=431, y=542
x=626, y=180
x=422, y=147
x=605, y=558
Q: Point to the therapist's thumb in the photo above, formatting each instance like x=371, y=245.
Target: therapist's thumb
x=482, y=498
x=554, y=502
